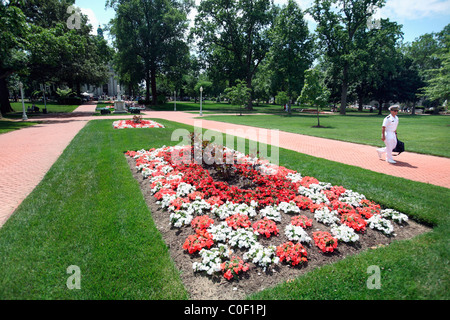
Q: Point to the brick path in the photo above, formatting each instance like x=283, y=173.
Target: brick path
x=27, y=154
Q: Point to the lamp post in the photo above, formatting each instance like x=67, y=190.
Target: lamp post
x=175, y=101
x=201, y=101
x=24, y=115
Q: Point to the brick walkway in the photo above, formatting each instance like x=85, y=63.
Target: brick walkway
x=28, y=154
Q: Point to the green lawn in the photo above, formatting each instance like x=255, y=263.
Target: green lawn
x=421, y=134
x=211, y=107
x=8, y=125
x=52, y=107
x=89, y=211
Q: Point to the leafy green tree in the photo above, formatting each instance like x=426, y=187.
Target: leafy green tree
x=14, y=32
x=239, y=94
x=150, y=32
x=282, y=98
x=234, y=35
x=314, y=92
x=377, y=63
x=291, y=52
x=337, y=23
x=438, y=86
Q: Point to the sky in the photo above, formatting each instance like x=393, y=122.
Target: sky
x=417, y=16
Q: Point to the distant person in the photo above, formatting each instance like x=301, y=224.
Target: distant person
x=389, y=134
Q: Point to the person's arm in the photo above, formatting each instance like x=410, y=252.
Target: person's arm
x=383, y=130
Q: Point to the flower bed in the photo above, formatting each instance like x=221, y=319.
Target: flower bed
x=125, y=124
x=230, y=228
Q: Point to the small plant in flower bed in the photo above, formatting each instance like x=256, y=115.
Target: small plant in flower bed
x=238, y=220
x=262, y=256
x=196, y=242
x=325, y=241
x=296, y=233
x=344, y=233
x=265, y=227
x=293, y=254
x=354, y=221
x=201, y=222
x=265, y=195
x=301, y=221
x=232, y=268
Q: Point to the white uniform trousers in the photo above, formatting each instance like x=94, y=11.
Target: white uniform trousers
x=391, y=143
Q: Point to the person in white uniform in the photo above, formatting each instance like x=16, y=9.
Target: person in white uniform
x=389, y=134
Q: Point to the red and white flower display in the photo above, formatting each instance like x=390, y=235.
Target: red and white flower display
x=223, y=217
x=126, y=124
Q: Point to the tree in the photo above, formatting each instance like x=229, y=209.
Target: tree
x=152, y=33
x=337, y=23
x=239, y=94
x=438, y=86
x=291, y=52
x=378, y=62
x=13, y=38
x=234, y=35
x=314, y=92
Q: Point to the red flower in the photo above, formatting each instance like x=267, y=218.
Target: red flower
x=198, y=241
x=293, y=254
x=238, y=220
x=325, y=241
x=306, y=181
x=354, y=221
x=233, y=267
x=266, y=226
x=301, y=221
x=201, y=222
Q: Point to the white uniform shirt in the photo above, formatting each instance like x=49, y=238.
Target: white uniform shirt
x=391, y=123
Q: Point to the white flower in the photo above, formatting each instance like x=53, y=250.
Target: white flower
x=344, y=233
x=184, y=189
x=262, y=256
x=313, y=193
x=242, y=238
x=294, y=177
x=196, y=207
x=296, y=233
x=220, y=232
x=166, y=200
x=229, y=208
x=352, y=198
x=289, y=207
x=271, y=213
x=379, y=223
x=326, y=216
x=180, y=218
x=394, y=215
x=211, y=259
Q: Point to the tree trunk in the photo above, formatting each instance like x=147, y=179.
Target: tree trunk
x=344, y=90
x=380, y=107
x=153, y=80
x=5, y=105
x=147, y=87
x=249, y=85
x=360, y=102
x=413, y=111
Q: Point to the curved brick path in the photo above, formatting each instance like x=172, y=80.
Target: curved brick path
x=29, y=153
